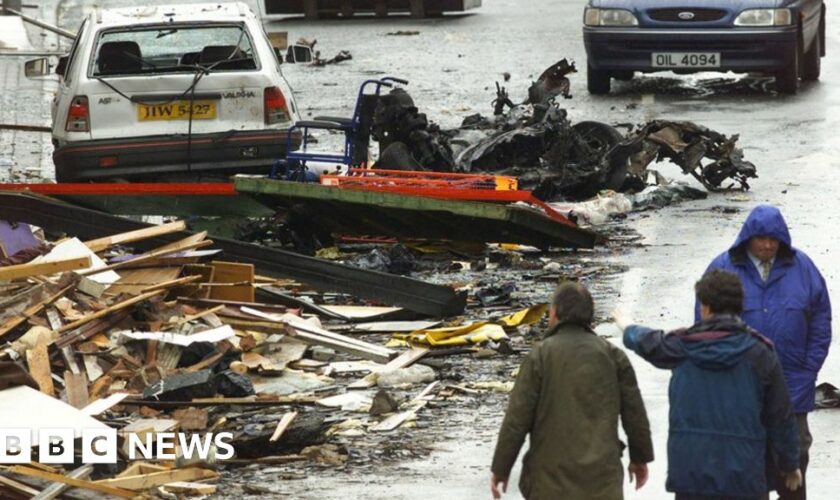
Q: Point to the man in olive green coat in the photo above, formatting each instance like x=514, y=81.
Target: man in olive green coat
x=571, y=389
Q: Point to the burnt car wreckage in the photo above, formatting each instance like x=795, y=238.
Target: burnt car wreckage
x=556, y=159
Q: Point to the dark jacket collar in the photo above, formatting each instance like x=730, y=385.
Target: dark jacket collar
x=566, y=328
x=720, y=326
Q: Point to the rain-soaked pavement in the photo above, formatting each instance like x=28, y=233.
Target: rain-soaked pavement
x=452, y=65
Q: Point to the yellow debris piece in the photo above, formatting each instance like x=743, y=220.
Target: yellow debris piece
x=474, y=333
x=527, y=316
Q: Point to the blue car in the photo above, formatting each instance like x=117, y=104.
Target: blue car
x=782, y=38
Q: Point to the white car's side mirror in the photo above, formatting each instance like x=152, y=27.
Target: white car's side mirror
x=37, y=67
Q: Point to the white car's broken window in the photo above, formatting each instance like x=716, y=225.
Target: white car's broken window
x=173, y=48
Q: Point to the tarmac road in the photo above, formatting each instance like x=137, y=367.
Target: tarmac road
x=452, y=65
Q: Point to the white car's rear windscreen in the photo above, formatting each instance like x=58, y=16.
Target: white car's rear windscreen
x=173, y=48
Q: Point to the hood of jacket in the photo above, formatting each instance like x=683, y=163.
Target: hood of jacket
x=718, y=343
x=764, y=220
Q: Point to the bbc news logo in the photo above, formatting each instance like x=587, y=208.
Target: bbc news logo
x=100, y=446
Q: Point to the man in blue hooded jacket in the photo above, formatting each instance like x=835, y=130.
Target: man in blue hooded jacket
x=727, y=398
x=786, y=300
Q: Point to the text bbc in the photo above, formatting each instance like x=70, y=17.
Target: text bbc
x=99, y=446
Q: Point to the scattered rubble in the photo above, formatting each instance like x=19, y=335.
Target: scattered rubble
x=171, y=340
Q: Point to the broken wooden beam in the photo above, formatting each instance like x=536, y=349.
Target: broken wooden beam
x=76, y=386
x=18, y=487
x=172, y=283
x=38, y=360
x=76, y=483
x=101, y=244
x=309, y=333
x=108, y=310
x=44, y=268
x=146, y=257
x=191, y=489
x=405, y=359
x=31, y=311
x=56, y=489
x=282, y=425
x=146, y=481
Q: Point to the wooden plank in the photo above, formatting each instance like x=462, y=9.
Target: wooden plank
x=181, y=244
x=44, y=268
x=206, y=273
x=147, y=481
x=102, y=405
x=254, y=305
x=104, y=312
x=56, y=489
x=91, y=362
x=282, y=426
x=76, y=386
x=191, y=489
x=311, y=333
x=153, y=425
x=172, y=283
x=407, y=358
x=392, y=422
x=198, y=315
x=53, y=318
x=232, y=272
x=143, y=280
x=146, y=257
x=13, y=322
x=101, y=244
x=76, y=483
x=204, y=363
x=398, y=419
x=191, y=419
x=38, y=360
x=91, y=329
x=388, y=326
x=69, y=358
x=18, y=486
x=138, y=468
x=425, y=392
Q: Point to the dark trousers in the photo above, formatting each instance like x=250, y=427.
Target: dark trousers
x=805, y=440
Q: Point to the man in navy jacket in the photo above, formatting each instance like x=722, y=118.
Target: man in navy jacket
x=727, y=397
x=785, y=298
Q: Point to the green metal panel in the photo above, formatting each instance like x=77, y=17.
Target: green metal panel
x=352, y=211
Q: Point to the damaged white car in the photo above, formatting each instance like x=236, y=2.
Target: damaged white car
x=169, y=92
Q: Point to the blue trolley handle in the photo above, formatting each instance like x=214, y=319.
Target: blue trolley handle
x=395, y=80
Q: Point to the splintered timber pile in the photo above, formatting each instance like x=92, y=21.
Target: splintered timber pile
x=173, y=341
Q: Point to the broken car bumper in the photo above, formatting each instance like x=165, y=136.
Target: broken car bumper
x=131, y=158
x=741, y=50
